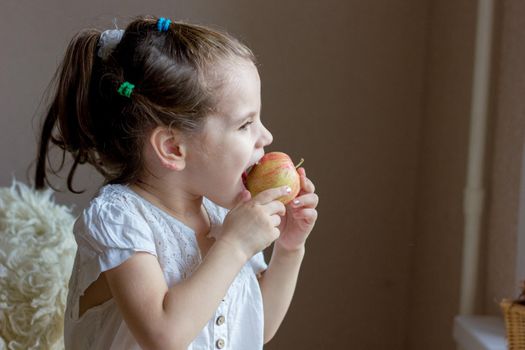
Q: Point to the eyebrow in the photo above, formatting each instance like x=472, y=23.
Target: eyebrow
x=246, y=117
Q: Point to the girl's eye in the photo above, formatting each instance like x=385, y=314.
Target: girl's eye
x=245, y=126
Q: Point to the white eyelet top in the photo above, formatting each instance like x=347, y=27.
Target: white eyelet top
x=116, y=224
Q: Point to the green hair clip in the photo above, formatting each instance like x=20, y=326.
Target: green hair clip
x=126, y=89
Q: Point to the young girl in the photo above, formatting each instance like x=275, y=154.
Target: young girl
x=169, y=250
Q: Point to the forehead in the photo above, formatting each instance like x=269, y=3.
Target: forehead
x=240, y=92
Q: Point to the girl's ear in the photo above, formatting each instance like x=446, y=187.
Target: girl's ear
x=169, y=147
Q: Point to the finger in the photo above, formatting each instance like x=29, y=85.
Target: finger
x=276, y=233
x=307, y=214
x=244, y=196
x=309, y=200
x=307, y=186
x=276, y=220
x=271, y=194
x=275, y=207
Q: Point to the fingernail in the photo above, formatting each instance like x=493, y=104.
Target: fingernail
x=296, y=202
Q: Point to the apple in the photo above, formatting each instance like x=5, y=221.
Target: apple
x=274, y=169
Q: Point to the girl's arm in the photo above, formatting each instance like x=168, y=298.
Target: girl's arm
x=277, y=287
x=278, y=282
x=162, y=318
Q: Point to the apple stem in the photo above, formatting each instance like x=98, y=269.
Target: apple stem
x=300, y=162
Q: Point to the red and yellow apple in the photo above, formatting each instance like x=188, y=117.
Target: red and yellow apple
x=274, y=169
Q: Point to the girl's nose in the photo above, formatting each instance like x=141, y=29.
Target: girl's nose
x=266, y=137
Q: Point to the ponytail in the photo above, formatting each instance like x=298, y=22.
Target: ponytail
x=69, y=110
x=102, y=109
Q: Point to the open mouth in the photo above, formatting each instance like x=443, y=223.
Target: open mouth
x=245, y=174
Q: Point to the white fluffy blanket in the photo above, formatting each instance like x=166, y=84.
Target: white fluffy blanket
x=37, y=249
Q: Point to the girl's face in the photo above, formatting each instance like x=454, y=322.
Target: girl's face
x=232, y=139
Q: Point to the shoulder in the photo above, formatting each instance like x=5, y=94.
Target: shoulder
x=114, y=217
x=112, y=198
x=112, y=203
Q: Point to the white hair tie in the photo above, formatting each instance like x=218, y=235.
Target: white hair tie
x=109, y=39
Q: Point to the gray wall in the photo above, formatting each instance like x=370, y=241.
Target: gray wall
x=375, y=95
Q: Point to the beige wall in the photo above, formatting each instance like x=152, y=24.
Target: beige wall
x=439, y=215
x=375, y=95
x=507, y=153
x=436, y=267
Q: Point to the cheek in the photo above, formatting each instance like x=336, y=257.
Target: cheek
x=229, y=154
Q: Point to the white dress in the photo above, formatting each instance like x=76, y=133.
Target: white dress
x=116, y=224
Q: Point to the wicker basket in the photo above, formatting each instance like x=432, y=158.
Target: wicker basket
x=514, y=315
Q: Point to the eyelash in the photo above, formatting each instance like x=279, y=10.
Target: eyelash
x=245, y=126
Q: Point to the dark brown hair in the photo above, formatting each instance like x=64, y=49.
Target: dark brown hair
x=174, y=74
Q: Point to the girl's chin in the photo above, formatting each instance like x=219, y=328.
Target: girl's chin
x=230, y=201
x=241, y=188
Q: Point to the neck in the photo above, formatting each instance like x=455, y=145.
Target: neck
x=182, y=205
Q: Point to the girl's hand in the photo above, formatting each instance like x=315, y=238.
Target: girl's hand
x=300, y=218
x=251, y=225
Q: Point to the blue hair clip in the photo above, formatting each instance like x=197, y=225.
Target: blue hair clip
x=163, y=24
